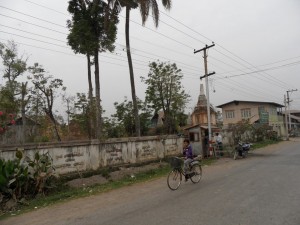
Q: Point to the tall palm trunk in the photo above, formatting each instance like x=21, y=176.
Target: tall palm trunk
x=97, y=86
x=90, y=110
x=134, y=101
x=23, y=105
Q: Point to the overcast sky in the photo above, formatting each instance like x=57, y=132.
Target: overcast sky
x=256, y=57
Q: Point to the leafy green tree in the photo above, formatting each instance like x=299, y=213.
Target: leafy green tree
x=112, y=128
x=92, y=30
x=81, y=114
x=165, y=92
x=14, y=96
x=124, y=116
x=49, y=87
x=14, y=66
x=145, y=6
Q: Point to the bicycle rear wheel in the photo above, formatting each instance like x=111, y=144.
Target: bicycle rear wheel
x=174, y=179
x=196, y=170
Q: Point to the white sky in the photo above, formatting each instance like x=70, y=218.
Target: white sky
x=250, y=36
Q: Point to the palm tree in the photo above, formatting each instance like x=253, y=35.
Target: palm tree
x=145, y=6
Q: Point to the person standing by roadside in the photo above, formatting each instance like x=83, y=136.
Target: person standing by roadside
x=219, y=139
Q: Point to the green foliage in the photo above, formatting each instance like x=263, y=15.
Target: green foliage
x=82, y=114
x=21, y=180
x=261, y=131
x=41, y=171
x=244, y=131
x=240, y=131
x=13, y=68
x=14, y=178
x=50, y=88
x=13, y=65
x=5, y=121
x=165, y=92
x=91, y=28
x=124, y=120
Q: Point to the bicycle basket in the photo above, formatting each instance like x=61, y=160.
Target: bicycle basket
x=175, y=162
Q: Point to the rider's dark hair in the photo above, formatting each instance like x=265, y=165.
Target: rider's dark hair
x=187, y=141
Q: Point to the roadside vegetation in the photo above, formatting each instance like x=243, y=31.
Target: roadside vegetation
x=59, y=191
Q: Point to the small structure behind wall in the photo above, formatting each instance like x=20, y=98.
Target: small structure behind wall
x=195, y=137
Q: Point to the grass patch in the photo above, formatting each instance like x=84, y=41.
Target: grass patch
x=264, y=143
x=63, y=193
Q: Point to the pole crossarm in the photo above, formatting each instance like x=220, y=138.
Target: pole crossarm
x=207, y=75
x=206, y=47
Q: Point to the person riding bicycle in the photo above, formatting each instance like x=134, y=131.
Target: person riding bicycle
x=188, y=153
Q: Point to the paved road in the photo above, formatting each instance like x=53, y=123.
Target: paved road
x=263, y=189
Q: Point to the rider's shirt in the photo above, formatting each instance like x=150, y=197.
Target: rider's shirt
x=187, y=152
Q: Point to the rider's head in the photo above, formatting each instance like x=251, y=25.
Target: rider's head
x=187, y=141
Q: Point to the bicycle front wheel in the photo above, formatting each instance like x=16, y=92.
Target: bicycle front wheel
x=196, y=170
x=174, y=179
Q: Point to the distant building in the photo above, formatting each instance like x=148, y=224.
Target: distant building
x=199, y=114
x=255, y=111
x=197, y=131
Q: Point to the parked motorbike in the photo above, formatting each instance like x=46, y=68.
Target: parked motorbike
x=241, y=150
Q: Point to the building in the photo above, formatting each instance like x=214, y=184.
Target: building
x=255, y=111
x=198, y=129
x=199, y=114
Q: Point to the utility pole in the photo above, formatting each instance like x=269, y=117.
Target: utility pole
x=207, y=90
x=286, y=120
x=288, y=101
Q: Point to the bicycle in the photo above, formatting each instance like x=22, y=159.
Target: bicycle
x=175, y=176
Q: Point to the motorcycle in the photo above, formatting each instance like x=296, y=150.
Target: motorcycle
x=241, y=150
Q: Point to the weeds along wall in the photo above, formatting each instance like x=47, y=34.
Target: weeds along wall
x=90, y=155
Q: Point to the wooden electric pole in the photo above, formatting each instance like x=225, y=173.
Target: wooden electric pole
x=207, y=90
x=288, y=102
x=286, y=119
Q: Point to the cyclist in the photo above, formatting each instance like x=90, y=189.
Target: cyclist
x=188, y=153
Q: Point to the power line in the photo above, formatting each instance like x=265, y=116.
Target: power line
x=131, y=20
x=32, y=16
x=46, y=7
x=33, y=24
x=146, y=27
x=221, y=47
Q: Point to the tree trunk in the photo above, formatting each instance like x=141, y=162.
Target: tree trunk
x=97, y=86
x=23, y=105
x=55, y=126
x=134, y=101
x=91, y=127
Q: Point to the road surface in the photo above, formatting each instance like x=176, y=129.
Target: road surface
x=263, y=189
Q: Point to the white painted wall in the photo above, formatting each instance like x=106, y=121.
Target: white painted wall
x=91, y=155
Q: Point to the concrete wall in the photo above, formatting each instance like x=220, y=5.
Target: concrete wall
x=91, y=155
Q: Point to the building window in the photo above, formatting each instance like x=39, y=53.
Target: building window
x=273, y=111
x=261, y=109
x=246, y=113
x=194, y=136
x=229, y=114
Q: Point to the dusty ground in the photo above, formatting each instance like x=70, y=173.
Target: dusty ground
x=116, y=175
